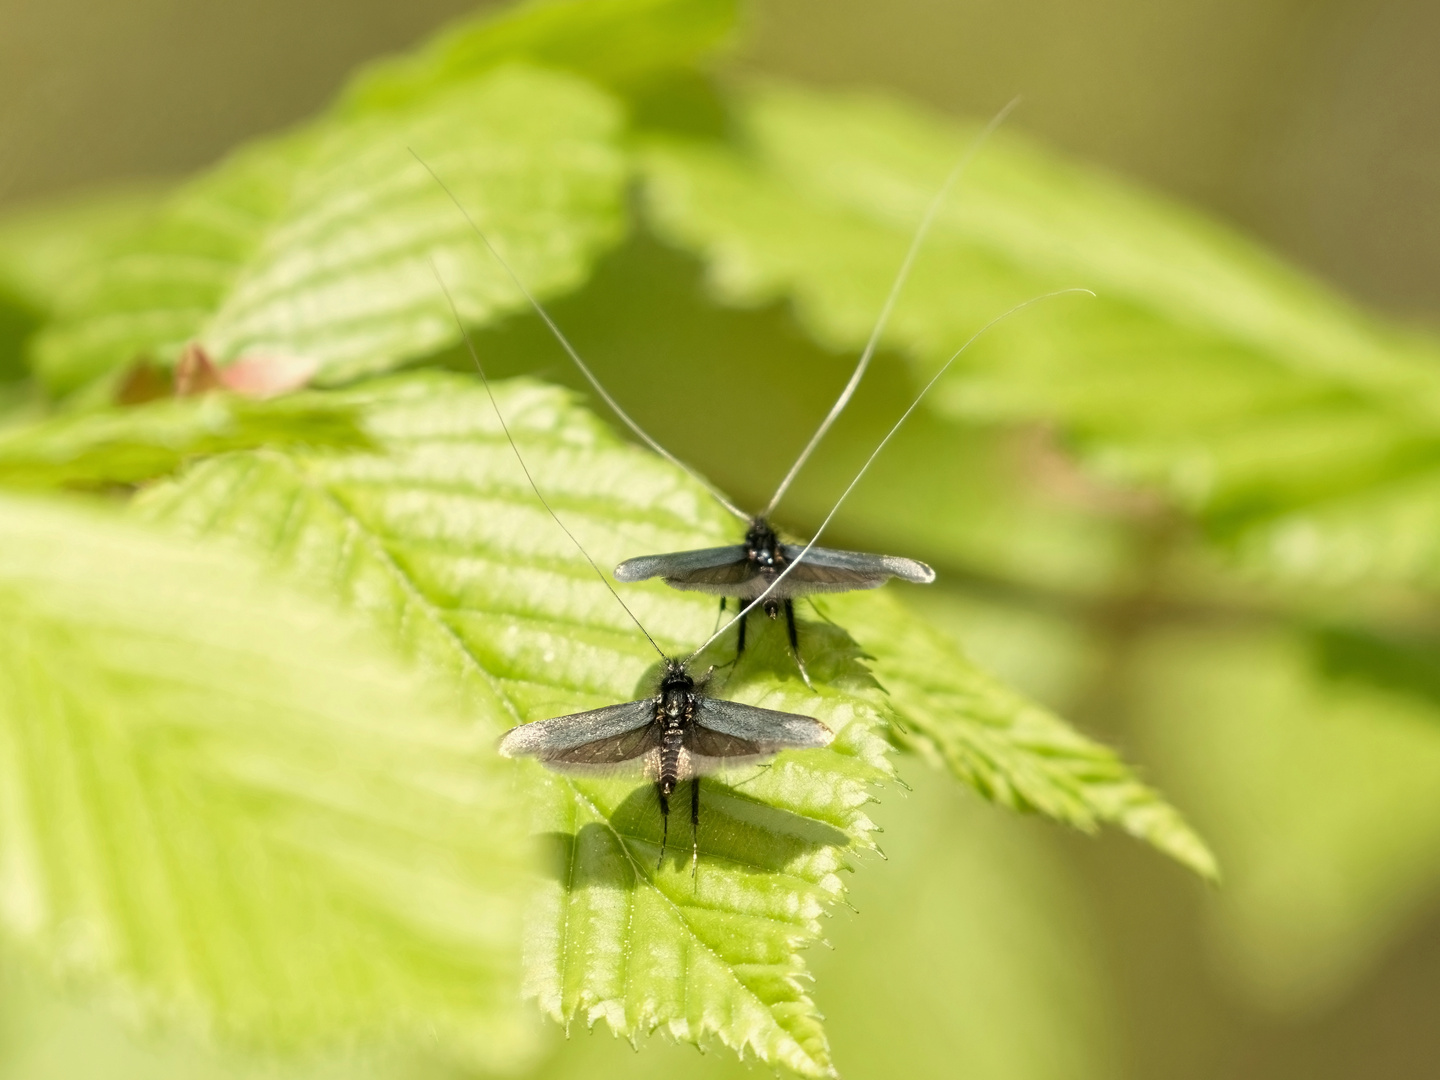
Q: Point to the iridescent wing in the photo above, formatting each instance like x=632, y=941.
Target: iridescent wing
x=713, y=570
x=729, y=733
x=828, y=570
x=598, y=741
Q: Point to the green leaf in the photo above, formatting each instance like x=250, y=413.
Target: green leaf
x=974, y=935
x=131, y=445
x=438, y=538
x=620, y=43
x=1007, y=748
x=225, y=801
x=1204, y=367
x=44, y=245
x=320, y=244
x=1387, y=534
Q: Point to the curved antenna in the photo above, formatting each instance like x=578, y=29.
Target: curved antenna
x=895, y=287
x=640, y=432
x=470, y=346
x=871, y=460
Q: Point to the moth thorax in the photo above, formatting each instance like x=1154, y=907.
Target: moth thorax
x=762, y=546
x=677, y=691
x=674, y=708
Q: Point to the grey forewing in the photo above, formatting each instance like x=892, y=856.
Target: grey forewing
x=766, y=730
x=709, y=565
x=708, y=751
x=615, y=753
x=548, y=739
x=829, y=570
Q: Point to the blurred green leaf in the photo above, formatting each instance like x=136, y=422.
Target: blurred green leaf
x=141, y=442
x=1322, y=797
x=44, y=245
x=48, y=1035
x=1387, y=534
x=226, y=802
x=320, y=244
x=1048, y=652
x=1395, y=661
x=620, y=43
x=437, y=536
x=1204, y=366
x=1009, y=749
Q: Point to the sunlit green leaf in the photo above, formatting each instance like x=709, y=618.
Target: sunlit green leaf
x=973, y=935
x=129, y=445
x=320, y=244
x=1009, y=749
x=439, y=538
x=227, y=804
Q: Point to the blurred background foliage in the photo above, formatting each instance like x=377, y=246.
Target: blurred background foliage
x=1261, y=637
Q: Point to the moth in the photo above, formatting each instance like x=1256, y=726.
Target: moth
x=763, y=565
x=678, y=734
x=753, y=569
x=764, y=571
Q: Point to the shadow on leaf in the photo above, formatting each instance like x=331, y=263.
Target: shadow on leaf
x=740, y=832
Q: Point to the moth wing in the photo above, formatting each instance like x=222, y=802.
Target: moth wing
x=598, y=741
x=829, y=570
x=701, y=569
x=708, y=751
x=727, y=732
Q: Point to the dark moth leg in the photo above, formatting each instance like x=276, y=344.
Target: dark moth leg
x=740, y=644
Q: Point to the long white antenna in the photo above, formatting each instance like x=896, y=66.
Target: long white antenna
x=895, y=287
x=870, y=460
x=640, y=432
x=475, y=356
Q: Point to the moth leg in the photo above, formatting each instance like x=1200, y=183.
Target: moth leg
x=795, y=641
x=664, y=824
x=694, y=826
x=740, y=646
x=720, y=616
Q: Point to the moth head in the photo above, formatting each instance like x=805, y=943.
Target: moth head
x=676, y=677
